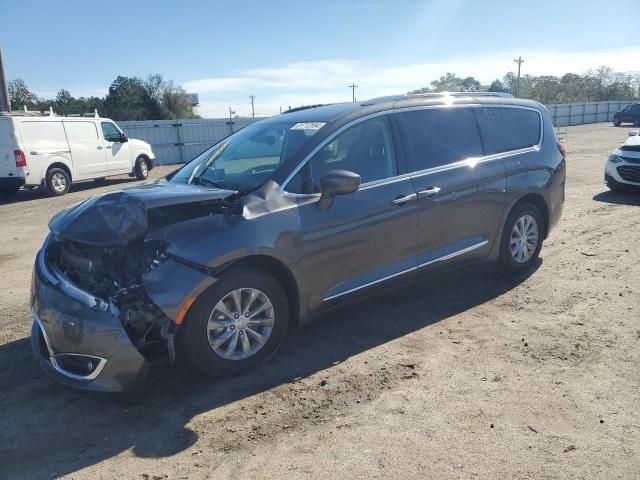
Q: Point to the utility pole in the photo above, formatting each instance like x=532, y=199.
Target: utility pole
x=353, y=87
x=253, y=112
x=519, y=61
x=5, y=103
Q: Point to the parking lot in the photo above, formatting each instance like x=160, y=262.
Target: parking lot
x=467, y=375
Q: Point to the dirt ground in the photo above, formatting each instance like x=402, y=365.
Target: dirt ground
x=467, y=375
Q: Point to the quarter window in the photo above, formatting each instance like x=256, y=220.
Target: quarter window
x=441, y=136
x=505, y=129
x=366, y=149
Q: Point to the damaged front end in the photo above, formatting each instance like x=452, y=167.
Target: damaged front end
x=107, y=287
x=115, y=275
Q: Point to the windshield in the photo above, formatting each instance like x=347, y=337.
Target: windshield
x=247, y=158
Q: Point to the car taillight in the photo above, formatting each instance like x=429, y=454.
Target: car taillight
x=21, y=160
x=563, y=151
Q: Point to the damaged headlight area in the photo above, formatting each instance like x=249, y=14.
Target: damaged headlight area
x=114, y=274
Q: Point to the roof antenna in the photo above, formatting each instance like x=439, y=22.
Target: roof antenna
x=25, y=109
x=51, y=114
x=95, y=113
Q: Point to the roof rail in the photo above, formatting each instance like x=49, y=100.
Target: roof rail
x=461, y=94
x=306, y=107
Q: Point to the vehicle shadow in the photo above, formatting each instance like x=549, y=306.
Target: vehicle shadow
x=27, y=195
x=49, y=429
x=618, y=198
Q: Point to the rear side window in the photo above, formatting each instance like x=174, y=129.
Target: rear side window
x=440, y=137
x=42, y=132
x=505, y=129
x=80, y=132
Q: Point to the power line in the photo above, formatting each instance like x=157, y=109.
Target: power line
x=253, y=112
x=519, y=61
x=353, y=87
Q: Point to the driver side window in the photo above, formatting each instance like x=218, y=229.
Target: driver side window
x=110, y=132
x=365, y=148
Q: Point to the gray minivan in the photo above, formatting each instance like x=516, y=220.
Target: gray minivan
x=286, y=219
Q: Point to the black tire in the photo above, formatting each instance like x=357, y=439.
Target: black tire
x=616, y=122
x=636, y=122
x=57, y=182
x=507, y=260
x=142, y=168
x=193, y=341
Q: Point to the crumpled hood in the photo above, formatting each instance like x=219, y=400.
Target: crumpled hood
x=123, y=216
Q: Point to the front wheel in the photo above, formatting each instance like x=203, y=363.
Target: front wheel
x=636, y=122
x=141, y=169
x=521, y=238
x=616, y=122
x=236, y=324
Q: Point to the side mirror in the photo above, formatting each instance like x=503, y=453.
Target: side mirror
x=123, y=138
x=337, y=182
x=633, y=133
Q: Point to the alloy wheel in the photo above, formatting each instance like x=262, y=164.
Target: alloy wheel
x=240, y=324
x=524, y=239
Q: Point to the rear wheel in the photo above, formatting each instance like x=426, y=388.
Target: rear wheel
x=616, y=122
x=142, y=168
x=636, y=122
x=57, y=181
x=235, y=325
x=521, y=238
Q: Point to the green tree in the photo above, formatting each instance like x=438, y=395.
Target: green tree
x=21, y=96
x=498, y=86
x=128, y=99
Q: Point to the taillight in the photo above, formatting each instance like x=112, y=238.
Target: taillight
x=563, y=151
x=21, y=160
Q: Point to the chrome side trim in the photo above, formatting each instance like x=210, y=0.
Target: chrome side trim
x=430, y=262
x=351, y=290
x=48, y=152
x=462, y=163
x=52, y=357
x=454, y=254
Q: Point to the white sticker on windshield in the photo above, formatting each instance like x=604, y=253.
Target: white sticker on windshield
x=308, y=126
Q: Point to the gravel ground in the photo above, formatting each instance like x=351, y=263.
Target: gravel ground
x=467, y=375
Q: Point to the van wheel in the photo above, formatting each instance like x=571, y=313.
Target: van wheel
x=141, y=169
x=521, y=238
x=636, y=122
x=616, y=122
x=57, y=181
x=236, y=324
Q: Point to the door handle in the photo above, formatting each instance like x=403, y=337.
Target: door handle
x=99, y=147
x=404, y=199
x=108, y=147
x=430, y=192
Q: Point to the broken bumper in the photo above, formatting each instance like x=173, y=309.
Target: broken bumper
x=79, y=340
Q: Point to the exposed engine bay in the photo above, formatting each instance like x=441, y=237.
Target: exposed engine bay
x=114, y=274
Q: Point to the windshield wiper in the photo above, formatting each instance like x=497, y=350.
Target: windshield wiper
x=206, y=181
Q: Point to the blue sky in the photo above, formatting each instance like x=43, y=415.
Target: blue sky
x=290, y=53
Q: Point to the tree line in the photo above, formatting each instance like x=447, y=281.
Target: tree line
x=597, y=85
x=128, y=98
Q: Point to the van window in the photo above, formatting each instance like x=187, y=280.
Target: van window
x=78, y=132
x=42, y=132
x=441, y=136
x=110, y=132
x=366, y=149
x=504, y=129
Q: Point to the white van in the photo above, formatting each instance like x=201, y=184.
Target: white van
x=52, y=152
